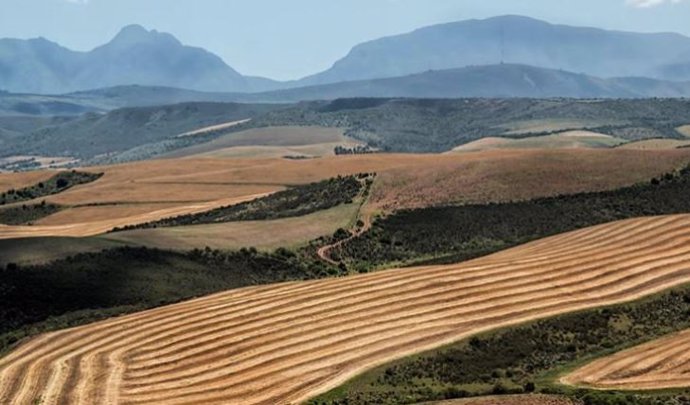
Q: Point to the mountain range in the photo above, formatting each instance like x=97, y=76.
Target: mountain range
x=134, y=56
x=509, y=56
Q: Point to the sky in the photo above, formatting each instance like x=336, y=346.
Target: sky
x=289, y=39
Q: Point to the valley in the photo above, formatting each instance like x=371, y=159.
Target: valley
x=344, y=203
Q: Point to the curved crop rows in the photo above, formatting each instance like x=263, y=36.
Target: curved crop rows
x=288, y=342
x=98, y=227
x=660, y=364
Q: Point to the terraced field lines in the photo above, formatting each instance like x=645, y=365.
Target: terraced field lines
x=288, y=342
x=660, y=364
x=98, y=227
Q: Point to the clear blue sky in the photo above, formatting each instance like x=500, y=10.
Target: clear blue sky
x=288, y=39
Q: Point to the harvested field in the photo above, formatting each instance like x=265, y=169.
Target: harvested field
x=656, y=144
x=552, y=125
x=97, y=227
x=404, y=181
x=302, y=151
x=263, y=235
x=660, y=364
x=684, y=130
x=564, y=140
x=25, y=179
x=288, y=342
x=98, y=212
x=212, y=128
x=509, y=400
x=271, y=136
x=490, y=176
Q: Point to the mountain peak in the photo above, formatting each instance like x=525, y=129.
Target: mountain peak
x=135, y=33
x=132, y=32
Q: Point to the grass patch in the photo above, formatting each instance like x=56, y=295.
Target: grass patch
x=26, y=214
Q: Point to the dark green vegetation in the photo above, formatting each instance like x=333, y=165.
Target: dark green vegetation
x=92, y=286
x=60, y=182
x=418, y=125
x=525, y=358
x=129, y=130
x=454, y=234
x=24, y=214
x=293, y=202
x=385, y=124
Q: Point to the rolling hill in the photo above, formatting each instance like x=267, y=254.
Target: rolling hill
x=513, y=39
x=96, y=134
x=285, y=343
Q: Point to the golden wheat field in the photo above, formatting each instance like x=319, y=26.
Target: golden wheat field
x=288, y=342
x=660, y=364
x=139, y=192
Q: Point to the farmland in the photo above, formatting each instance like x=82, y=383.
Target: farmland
x=131, y=193
x=562, y=140
x=656, y=365
x=263, y=235
x=355, y=323
x=270, y=142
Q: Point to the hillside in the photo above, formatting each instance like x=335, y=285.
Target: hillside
x=285, y=343
x=513, y=39
x=120, y=130
x=439, y=125
x=388, y=124
x=505, y=80
x=134, y=56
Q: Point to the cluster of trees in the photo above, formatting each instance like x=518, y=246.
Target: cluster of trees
x=356, y=150
x=293, y=202
x=513, y=359
x=457, y=233
x=56, y=184
x=18, y=215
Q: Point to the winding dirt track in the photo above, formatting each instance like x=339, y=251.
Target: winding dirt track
x=660, y=364
x=285, y=343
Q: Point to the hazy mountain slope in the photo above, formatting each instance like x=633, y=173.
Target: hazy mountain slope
x=488, y=81
x=513, y=39
x=36, y=65
x=103, y=100
x=134, y=56
x=437, y=125
x=119, y=130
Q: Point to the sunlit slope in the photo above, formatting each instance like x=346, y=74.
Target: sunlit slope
x=660, y=364
x=284, y=343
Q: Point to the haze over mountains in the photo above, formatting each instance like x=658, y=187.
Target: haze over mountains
x=461, y=59
x=519, y=40
x=134, y=56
